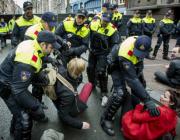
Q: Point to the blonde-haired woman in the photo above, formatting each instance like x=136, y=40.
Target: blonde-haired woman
x=67, y=104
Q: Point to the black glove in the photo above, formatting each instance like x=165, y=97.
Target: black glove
x=65, y=45
x=153, y=110
x=69, y=52
x=38, y=114
x=51, y=60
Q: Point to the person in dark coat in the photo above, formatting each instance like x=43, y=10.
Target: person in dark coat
x=67, y=101
x=172, y=75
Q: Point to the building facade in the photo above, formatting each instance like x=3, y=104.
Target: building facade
x=159, y=7
x=9, y=7
x=94, y=5
x=56, y=6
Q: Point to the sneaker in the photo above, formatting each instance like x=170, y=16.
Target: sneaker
x=104, y=101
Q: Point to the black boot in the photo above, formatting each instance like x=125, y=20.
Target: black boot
x=26, y=126
x=113, y=105
x=165, y=52
x=156, y=48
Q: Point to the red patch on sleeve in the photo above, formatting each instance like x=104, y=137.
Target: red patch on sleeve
x=34, y=58
x=36, y=32
x=114, y=26
x=130, y=53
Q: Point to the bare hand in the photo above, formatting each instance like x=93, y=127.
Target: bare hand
x=85, y=125
x=166, y=66
x=69, y=44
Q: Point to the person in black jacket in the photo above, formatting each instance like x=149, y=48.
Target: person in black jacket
x=16, y=74
x=104, y=36
x=68, y=103
x=172, y=75
x=167, y=28
x=74, y=34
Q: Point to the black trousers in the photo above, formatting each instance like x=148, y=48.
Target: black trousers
x=165, y=39
x=3, y=40
x=97, y=70
x=162, y=77
x=21, y=123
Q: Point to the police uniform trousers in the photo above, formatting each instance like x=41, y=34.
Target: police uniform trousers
x=96, y=70
x=165, y=39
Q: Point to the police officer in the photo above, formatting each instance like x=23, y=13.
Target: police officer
x=90, y=18
x=116, y=18
x=48, y=22
x=134, y=25
x=149, y=24
x=16, y=74
x=23, y=22
x=104, y=36
x=74, y=35
x=127, y=62
x=178, y=34
x=167, y=28
x=3, y=32
x=105, y=9
x=11, y=24
x=69, y=18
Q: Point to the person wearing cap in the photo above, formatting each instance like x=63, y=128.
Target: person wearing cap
x=22, y=23
x=11, y=24
x=134, y=25
x=17, y=71
x=69, y=18
x=167, y=28
x=48, y=22
x=127, y=63
x=106, y=7
x=74, y=36
x=116, y=18
x=104, y=36
x=149, y=24
x=3, y=32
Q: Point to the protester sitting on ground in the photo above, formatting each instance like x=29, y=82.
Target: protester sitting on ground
x=172, y=75
x=66, y=100
x=138, y=124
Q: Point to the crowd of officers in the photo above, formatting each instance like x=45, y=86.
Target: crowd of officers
x=34, y=39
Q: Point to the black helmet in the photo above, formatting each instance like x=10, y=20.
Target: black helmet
x=27, y=4
x=82, y=12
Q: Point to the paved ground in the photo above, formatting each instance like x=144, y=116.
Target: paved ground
x=92, y=114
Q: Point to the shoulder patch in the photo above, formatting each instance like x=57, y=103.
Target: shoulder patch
x=34, y=58
x=25, y=75
x=130, y=53
x=36, y=33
